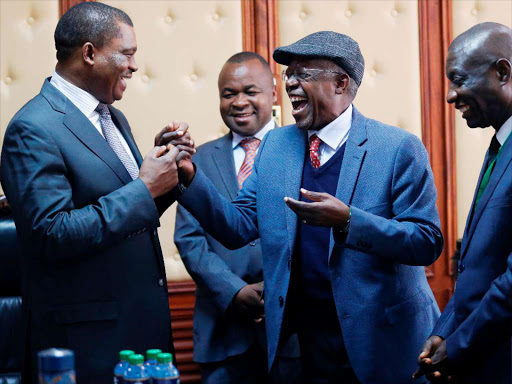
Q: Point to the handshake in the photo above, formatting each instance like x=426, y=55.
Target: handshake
x=169, y=162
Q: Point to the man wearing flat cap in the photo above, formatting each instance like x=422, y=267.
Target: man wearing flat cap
x=345, y=208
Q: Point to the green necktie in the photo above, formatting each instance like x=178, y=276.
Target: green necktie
x=494, y=154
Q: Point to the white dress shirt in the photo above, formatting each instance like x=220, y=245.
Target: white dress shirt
x=87, y=104
x=238, y=151
x=504, y=131
x=333, y=135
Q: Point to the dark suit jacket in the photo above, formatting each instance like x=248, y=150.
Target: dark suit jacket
x=93, y=272
x=477, y=322
x=219, y=331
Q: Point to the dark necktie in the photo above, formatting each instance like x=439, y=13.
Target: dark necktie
x=494, y=150
x=314, y=145
x=109, y=131
x=250, y=146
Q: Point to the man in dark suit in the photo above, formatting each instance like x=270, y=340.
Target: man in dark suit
x=93, y=272
x=344, y=266
x=229, y=339
x=472, y=338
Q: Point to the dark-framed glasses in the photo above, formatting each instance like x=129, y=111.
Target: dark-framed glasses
x=303, y=75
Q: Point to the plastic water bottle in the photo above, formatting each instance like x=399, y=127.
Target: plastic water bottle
x=151, y=362
x=121, y=367
x=165, y=372
x=56, y=366
x=136, y=373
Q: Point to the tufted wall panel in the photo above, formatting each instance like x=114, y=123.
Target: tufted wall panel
x=182, y=46
x=473, y=143
x=27, y=52
x=387, y=32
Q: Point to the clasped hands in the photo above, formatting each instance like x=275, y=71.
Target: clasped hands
x=169, y=162
x=432, y=362
x=249, y=301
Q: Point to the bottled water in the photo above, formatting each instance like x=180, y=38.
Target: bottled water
x=56, y=366
x=121, y=367
x=136, y=373
x=165, y=372
x=151, y=362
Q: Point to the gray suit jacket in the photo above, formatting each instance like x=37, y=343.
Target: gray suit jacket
x=219, y=331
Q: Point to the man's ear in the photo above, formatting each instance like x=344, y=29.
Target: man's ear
x=503, y=70
x=88, y=52
x=274, y=91
x=342, y=83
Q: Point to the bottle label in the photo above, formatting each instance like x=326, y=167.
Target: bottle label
x=167, y=381
x=62, y=378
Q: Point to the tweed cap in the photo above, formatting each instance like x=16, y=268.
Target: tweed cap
x=340, y=49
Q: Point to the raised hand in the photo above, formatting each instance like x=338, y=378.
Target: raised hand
x=324, y=210
x=159, y=170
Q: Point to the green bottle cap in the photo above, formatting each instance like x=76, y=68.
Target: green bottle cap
x=164, y=358
x=136, y=359
x=151, y=354
x=124, y=354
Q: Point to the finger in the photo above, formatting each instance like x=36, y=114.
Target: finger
x=297, y=205
x=185, y=148
x=182, y=157
x=172, y=153
x=157, y=151
x=182, y=126
x=419, y=372
x=313, y=196
x=258, y=320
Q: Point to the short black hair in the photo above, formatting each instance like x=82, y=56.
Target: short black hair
x=87, y=22
x=242, y=57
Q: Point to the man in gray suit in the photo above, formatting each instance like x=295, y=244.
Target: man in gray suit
x=229, y=335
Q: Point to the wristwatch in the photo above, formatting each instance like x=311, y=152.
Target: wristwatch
x=343, y=230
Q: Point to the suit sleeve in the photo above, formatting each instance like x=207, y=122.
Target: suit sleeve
x=39, y=188
x=488, y=325
x=413, y=235
x=446, y=323
x=208, y=269
x=234, y=224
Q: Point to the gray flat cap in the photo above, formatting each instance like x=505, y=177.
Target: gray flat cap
x=339, y=48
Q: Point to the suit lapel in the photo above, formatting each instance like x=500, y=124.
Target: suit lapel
x=471, y=213
x=125, y=130
x=296, y=153
x=352, y=161
x=83, y=129
x=225, y=163
x=497, y=174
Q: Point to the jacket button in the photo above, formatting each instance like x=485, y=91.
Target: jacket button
x=289, y=263
x=281, y=301
x=252, y=243
x=161, y=282
x=461, y=268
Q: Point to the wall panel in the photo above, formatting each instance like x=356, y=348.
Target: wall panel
x=473, y=143
x=27, y=52
x=390, y=91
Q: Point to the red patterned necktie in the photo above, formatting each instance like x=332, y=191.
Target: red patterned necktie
x=314, y=144
x=250, y=146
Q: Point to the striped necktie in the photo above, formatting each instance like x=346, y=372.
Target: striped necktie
x=109, y=131
x=250, y=146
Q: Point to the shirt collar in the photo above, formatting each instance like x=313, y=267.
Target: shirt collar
x=83, y=100
x=334, y=132
x=504, y=131
x=259, y=135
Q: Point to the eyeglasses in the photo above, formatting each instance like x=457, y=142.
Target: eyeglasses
x=303, y=75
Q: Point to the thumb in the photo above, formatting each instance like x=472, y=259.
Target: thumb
x=156, y=152
x=313, y=196
x=173, y=152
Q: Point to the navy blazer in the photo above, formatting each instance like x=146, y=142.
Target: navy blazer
x=93, y=272
x=477, y=322
x=385, y=307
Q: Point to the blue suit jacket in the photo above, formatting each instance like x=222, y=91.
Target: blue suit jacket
x=93, y=271
x=219, y=331
x=477, y=322
x=385, y=306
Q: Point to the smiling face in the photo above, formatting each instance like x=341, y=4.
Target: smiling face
x=246, y=93
x=114, y=62
x=317, y=91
